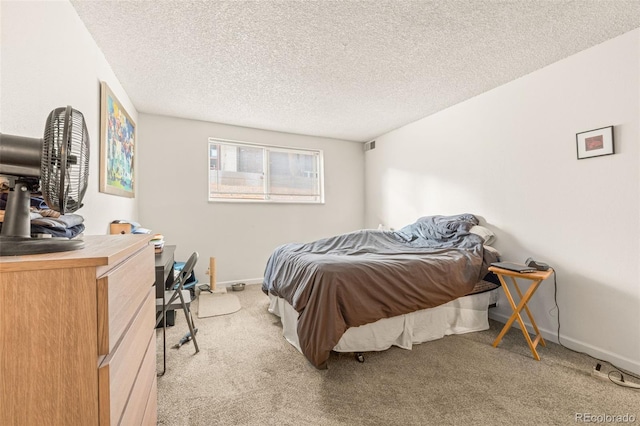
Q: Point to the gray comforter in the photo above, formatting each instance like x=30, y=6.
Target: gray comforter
x=360, y=277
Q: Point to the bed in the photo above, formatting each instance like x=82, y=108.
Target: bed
x=333, y=291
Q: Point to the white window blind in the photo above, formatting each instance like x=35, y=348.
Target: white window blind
x=240, y=171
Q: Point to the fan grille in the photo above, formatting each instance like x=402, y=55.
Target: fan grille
x=65, y=160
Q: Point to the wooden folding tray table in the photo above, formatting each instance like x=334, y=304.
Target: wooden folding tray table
x=537, y=277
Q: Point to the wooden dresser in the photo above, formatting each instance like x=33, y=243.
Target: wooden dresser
x=77, y=338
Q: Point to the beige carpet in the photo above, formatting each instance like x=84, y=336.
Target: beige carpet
x=214, y=304
x=247, y=374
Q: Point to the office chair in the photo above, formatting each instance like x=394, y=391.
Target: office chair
x=179, y=298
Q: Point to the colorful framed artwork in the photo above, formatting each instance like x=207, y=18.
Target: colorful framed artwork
x=117, y=146
x=595, y=143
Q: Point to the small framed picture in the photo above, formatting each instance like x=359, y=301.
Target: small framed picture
x=595, y=143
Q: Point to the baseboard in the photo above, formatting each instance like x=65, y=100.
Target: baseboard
x=576, y=345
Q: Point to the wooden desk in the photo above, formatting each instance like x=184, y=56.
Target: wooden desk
x=537, y=277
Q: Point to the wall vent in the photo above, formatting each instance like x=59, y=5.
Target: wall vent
x=368, y=146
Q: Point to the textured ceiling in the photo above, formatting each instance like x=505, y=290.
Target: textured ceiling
x=342, y=69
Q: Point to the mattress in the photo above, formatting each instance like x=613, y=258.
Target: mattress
x=462, y=315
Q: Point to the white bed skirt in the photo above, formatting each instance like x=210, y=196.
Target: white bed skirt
x=463, y=315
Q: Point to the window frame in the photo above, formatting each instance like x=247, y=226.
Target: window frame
x=266, y=171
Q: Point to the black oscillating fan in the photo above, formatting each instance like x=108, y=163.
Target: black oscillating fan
x=60, y=164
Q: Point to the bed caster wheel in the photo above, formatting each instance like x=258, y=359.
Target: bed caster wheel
x=359, y=357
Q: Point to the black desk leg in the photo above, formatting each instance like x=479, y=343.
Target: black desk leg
x=164, y=337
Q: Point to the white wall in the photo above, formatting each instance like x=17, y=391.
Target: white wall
x=241, y=236
x=509, y=156
x=49, y=60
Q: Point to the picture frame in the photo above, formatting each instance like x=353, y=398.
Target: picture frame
x=595, y=143
x=117, y=146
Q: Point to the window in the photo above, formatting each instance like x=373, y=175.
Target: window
x=247, y=172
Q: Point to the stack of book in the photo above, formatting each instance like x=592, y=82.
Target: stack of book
x=158, y=242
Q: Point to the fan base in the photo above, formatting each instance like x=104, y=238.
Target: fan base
x=19, y=246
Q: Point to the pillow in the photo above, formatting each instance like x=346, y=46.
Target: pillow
x=492, y=250
x=438, y=227
x=485, y=233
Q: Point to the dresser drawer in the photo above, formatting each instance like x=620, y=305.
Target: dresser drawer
x=151, y=412
x=141, y=392
x=118, y=371
x=120, y=293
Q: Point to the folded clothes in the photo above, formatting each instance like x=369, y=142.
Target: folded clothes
x=48, y=213
x=71, y=232
x=32, y=215
x=63, y=222
x=37, y=202
x=66, y=233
